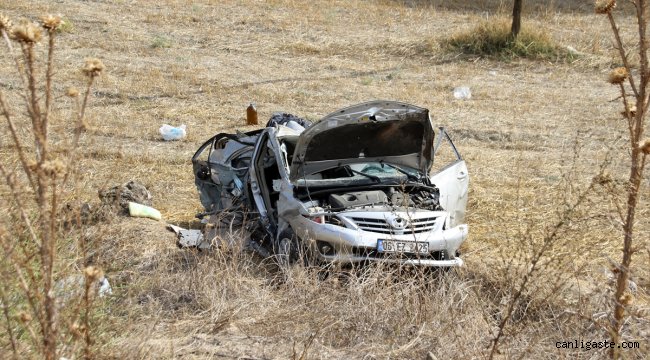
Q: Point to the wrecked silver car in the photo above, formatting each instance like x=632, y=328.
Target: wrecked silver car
x=365, y=183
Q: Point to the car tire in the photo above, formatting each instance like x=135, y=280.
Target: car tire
x=291, y=251
x=286, y=249
x=284, y=252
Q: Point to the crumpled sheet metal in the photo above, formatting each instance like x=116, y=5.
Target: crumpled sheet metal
x=189, y=237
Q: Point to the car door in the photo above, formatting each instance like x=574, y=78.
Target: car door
x=449, y=174
x=267, y=171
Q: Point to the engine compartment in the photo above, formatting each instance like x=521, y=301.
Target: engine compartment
x=419, y=196
x=354, y=199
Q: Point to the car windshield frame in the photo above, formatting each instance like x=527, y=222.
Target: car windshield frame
x=360, y=174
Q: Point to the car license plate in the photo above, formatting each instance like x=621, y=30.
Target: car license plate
x=408, y=247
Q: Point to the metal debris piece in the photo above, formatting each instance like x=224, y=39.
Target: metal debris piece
x=189, y=237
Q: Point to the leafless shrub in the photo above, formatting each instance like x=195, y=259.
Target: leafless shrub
x=632, y=80
x=37, y=177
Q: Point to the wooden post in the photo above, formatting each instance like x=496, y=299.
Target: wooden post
x=516, y=19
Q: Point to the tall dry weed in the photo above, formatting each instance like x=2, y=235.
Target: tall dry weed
x=42, y=318
x=632, y=81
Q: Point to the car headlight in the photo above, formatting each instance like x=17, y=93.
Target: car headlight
x=325, y=219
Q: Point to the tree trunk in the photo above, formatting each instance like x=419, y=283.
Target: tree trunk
x=516, y=19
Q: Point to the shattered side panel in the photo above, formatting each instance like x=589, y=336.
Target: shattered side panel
x=221, y=168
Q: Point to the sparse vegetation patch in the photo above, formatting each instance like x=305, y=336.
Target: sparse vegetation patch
x=493, y=38
x=161, y=42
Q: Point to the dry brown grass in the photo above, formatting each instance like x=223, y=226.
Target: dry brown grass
x=309, y=58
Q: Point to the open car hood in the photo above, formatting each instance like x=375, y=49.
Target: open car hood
x=389, y=131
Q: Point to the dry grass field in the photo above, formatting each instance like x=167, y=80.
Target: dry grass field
x=534, y=135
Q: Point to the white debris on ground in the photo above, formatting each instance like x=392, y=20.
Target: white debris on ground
x=189, y=237
x=573, y=51
x=462, y=93
x=73, y=286
x=169, y=132
x=104, y=287
x=139, y=210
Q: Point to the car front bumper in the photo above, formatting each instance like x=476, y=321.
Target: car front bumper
x=355, y=245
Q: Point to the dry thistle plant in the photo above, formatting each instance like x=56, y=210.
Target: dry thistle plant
x=36, y=176
x=633, y=82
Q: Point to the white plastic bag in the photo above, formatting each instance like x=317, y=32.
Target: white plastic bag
x=462, y=93
x=104, y=287
x=169, y=132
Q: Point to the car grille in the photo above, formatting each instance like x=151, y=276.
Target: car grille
x=372, y=253
x=415, y=226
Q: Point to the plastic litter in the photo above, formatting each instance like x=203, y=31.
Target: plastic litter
x=72, y=286
x=104, y=287
x=573, y=51
x=139, y=210
x=169, y=132
x=462, y=93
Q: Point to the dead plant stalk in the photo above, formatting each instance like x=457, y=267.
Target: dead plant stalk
x=34, y=263
x=638, y=153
